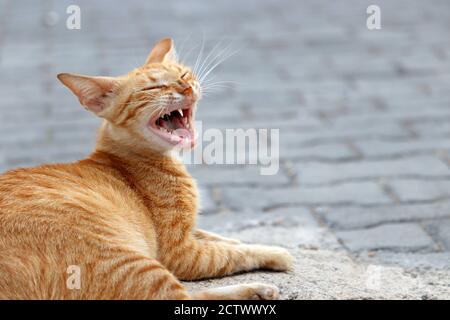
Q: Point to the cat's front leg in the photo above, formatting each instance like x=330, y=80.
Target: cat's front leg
x=206, y=235
x=198, y=259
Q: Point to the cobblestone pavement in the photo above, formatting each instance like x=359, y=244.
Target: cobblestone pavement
x=363, y=189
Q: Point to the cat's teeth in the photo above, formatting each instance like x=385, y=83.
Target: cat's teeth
x=180, y=112
x=166, y=130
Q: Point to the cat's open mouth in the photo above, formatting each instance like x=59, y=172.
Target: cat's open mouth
x=176, y=126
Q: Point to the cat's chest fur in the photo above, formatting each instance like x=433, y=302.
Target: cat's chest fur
x=167, y=191
x=171, y=201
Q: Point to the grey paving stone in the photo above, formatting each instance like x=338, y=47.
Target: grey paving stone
x=409, y=260
x=207, y=203
x=326, y=173
x=401, y=236
x=365, y=193
x=331, y=151
x=277, y=123
x=333, y=133
x=378, y=149
x=425, y=114
x=423, y=61
x=235, y=175
x=420, y=190
x=360, y=217
x=440, y=230
x=433, y=129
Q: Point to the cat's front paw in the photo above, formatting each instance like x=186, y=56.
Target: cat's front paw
x=259, y=291
x=278, y=259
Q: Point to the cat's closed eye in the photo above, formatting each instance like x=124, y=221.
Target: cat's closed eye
x=155, y=87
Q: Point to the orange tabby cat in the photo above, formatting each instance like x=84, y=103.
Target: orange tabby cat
x=125, y=216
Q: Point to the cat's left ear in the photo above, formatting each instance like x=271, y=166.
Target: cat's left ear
x=94, y=93
x=163, y=51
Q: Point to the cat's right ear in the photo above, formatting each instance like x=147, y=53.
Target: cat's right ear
x=163, y=51
x=93, y=92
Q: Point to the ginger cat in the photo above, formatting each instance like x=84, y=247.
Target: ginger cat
x=126, y=214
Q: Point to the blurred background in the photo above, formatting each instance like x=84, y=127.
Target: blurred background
x=363, y=114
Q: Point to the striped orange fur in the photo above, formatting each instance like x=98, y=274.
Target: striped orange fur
x=125, y=215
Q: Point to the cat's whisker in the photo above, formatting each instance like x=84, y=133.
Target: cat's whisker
x=216, y=86
x=210, y=93
x=182, y=56
x=212, y=78
x=215, y=89
x=206, y=63
x=223, y=84
x=217, y=57
x=200, y=54
x=224, y=56
x=219, y=82
x=221, y=60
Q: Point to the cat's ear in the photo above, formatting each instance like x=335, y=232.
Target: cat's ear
x=163, y=51
x=93, y=92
